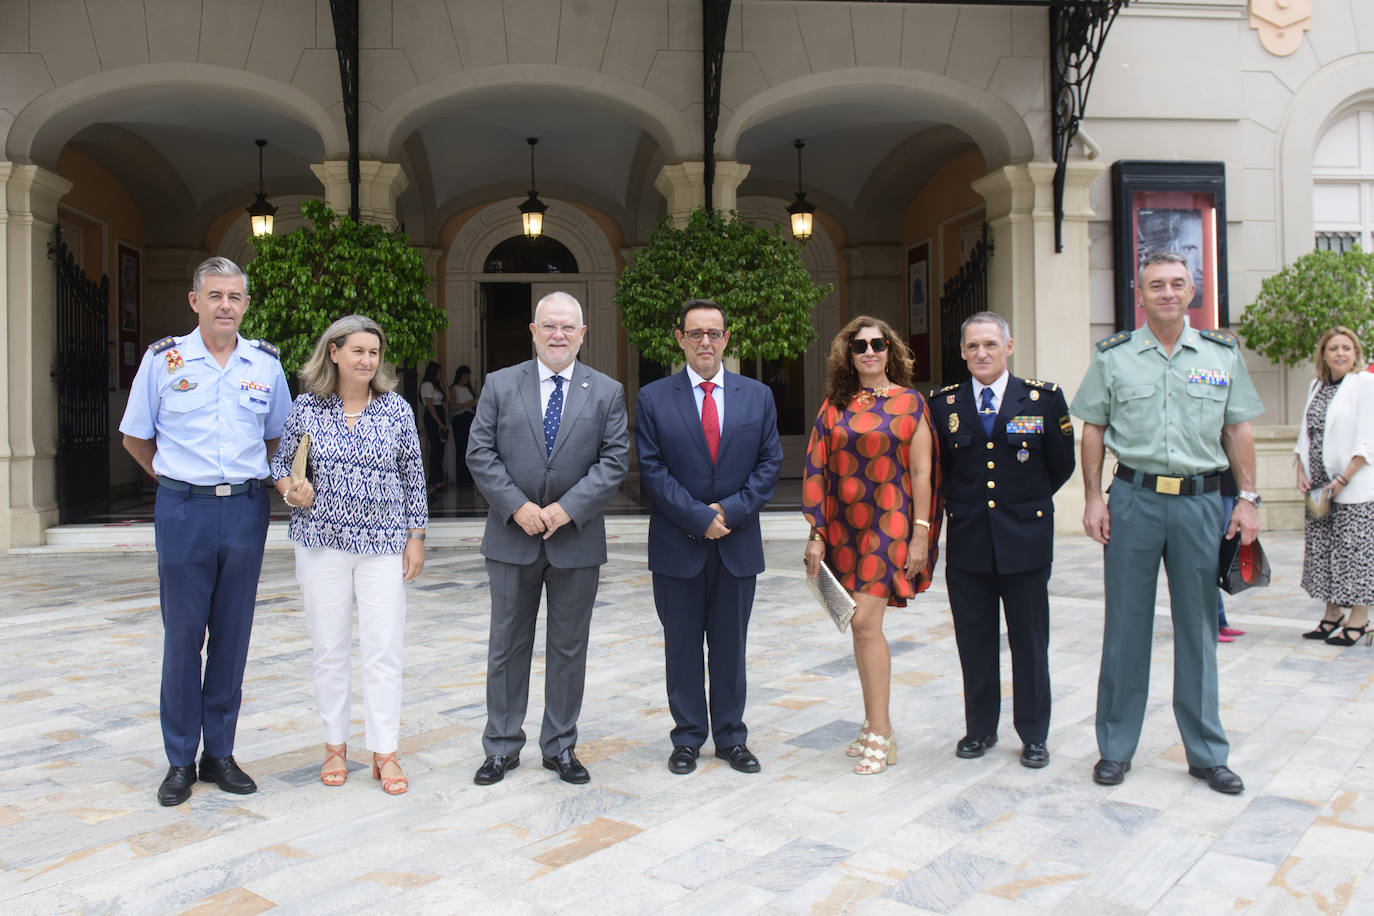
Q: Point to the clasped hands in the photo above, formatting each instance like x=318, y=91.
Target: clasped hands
x=535, y=520
x=717, y=528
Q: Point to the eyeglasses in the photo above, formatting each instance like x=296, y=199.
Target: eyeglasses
x=549, y=329
x=696, y=334
x=859, y=345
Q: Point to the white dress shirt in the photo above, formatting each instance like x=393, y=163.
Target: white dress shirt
x=999, y=388
x=717, y=395
x=546, y=386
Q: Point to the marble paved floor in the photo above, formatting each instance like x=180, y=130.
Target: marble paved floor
x=80, y=758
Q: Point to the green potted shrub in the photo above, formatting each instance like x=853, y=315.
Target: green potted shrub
x=304, y=280
x=755, y=275
x=1295, y=306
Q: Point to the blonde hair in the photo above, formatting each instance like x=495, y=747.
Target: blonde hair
x=1323, y=370
x=320, y=376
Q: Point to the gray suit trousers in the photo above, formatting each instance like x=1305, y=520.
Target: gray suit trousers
x=515, y=592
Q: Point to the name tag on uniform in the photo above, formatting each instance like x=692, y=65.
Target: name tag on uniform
x=1208, y=377
x=1019, y=426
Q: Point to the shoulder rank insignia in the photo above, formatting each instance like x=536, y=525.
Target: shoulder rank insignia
x=948, y=388
x=267, y=348
x=1037, y=383
x=163, y=344
x=1226, y=340
x=1116, y=340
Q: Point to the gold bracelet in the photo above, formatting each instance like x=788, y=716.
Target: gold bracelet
x=816, y=536
x=923, y=523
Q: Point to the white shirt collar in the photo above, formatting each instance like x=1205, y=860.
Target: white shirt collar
x=718, y=379
x=545, y=373
x=999, y=388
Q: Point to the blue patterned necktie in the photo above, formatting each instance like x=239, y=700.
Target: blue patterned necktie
x=552, y=414
x=986, y=413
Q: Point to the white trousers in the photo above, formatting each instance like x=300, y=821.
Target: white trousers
x=331, y=582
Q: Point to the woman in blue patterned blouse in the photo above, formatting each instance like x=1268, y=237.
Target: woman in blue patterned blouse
x=358, y=521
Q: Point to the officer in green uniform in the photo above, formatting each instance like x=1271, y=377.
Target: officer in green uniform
x=1173, y=404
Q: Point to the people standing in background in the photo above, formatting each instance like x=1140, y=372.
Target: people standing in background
x=436, y=422
x=462, y=405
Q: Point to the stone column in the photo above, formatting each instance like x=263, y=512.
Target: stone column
x=379, y=185
x=28, y=448
x=684, y=186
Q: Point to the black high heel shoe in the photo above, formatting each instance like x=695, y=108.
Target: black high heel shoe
x=1324, y=628
x=1351, y=635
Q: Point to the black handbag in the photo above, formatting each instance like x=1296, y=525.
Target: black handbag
x=1241, y=567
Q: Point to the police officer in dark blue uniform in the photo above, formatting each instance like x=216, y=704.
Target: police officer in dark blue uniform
x=1006, y=446
x=204, y=414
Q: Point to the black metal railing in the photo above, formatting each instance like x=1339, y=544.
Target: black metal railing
x=964, y=294
x=81, y=372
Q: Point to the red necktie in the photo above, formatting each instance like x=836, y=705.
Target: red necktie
x=710, y=420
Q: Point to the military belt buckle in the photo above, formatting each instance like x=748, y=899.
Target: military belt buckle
x=224, y=489
x=1170, y=486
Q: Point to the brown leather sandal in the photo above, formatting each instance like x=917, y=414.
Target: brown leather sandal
x=332, y=777
x=391, y=785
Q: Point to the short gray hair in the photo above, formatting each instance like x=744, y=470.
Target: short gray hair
x=320, y=376
x=560, y=295
x=217, y=267
x=985, y=318
x=1161, y=257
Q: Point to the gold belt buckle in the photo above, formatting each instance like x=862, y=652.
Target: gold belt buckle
x=224, y=489
x=1170, y=486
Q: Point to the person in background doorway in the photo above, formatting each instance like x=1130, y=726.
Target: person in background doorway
x=436, y=422
x=462, y=405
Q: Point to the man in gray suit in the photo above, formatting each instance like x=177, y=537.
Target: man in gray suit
x=548, y=448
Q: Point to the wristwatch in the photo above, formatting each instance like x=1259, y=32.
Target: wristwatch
x=1250, y=497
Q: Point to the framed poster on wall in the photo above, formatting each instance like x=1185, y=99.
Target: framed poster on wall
x=129, y=297
x=918, y=306
x=1171, y=206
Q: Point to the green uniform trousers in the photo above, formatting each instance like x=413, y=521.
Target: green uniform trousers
x=1185, y=531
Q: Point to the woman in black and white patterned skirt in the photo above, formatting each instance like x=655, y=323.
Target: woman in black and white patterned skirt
x=1335, y=443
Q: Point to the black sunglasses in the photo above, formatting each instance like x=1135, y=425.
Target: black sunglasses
x=860, y=345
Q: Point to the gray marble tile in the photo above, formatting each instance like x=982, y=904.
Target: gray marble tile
x=784, y=868
x=1267, y=829
x=947, y=881
x=827, y=737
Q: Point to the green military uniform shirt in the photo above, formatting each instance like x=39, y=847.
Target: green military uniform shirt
x=1164, y=413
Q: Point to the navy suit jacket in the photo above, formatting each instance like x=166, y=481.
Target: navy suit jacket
x=999, y=490
x=676, y=472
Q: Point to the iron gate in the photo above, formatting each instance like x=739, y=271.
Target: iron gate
x=964, y=294
x=81, y=372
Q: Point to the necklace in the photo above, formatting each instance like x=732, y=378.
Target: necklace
x=865, y=397
x=354, y=416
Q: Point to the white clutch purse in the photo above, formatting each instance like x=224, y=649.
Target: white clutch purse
x=833, y=597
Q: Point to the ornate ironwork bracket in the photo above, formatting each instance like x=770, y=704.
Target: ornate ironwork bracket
x=715, y=17
x=345, y=16
x=1078, y=29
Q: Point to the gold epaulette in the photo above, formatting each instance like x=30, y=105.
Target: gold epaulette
x=1116, y=340
x=165, y=343
x=1037, y=383
x=267, y=348
x=1221, y=337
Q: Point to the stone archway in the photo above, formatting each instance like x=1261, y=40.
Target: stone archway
x=596, y=276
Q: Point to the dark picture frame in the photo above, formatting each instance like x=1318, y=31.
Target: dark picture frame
x=129, y=301
x=919, y=307
x=1181, y=206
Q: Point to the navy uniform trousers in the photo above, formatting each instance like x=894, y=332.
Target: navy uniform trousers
x=209, y=559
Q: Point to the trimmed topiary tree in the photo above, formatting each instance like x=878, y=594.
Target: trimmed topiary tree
x=1316, y=292
x=755, y=274
x=301, y=282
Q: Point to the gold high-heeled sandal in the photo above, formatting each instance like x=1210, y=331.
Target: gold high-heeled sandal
x=877, y=759
x=334, y=752
x=391, y=785
x=856, y=747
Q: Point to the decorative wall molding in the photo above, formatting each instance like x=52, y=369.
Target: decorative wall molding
x=1280, y=24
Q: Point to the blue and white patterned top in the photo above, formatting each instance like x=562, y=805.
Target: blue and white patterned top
x=369, y=481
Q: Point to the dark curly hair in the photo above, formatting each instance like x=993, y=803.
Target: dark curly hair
x=842, y=379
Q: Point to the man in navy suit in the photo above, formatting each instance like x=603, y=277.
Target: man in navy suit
x=708, y=459
x=1006, y=446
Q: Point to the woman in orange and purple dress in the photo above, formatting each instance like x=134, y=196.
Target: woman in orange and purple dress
x=872, y=495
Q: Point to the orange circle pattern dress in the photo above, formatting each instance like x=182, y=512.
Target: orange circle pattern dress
x=857, y=491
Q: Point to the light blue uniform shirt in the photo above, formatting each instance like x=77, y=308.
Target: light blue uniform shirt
x=209, y=423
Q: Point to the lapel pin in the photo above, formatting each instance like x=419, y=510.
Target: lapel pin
x=584, y=384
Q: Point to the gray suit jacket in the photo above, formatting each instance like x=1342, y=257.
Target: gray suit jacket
x=507, y=460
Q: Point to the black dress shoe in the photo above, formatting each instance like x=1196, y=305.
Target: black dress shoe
x=1111, y=772
x=225, y=773
x=176, y=785
x=1219, y=779
x=494, y=768
x=683, y=759
x=568, y=767
x=1034, y=756
x=970, y=747
x=740, y=758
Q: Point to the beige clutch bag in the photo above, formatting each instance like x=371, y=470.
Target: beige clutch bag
x=1318, y=504
x=833, y=597
x=302, y=456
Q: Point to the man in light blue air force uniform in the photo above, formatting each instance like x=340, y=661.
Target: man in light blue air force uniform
x=205, y=412
x=1174, y=405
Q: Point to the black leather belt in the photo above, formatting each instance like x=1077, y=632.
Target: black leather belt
x=1171, y=486
x=218, y=489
